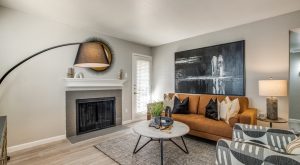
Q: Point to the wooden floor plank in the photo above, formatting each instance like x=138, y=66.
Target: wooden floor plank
x=65, y=153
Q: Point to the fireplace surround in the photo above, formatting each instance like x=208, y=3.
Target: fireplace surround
x=91, y=96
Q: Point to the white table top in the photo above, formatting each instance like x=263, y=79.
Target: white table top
x=178, y=129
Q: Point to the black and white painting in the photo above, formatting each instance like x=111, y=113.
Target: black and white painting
x=216, y=69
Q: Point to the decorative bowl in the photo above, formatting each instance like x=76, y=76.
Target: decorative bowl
x=163, y=121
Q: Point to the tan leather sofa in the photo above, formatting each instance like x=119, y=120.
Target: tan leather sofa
x=209, y=128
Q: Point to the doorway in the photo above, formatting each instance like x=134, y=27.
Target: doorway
x=294, y=81
x=141, y=85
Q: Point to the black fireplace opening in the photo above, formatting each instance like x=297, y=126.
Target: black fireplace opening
x=95, y=114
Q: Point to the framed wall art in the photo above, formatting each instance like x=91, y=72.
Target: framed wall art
x=218, y=69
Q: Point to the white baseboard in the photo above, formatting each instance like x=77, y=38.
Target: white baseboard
x=132, y=121
x=35, y=143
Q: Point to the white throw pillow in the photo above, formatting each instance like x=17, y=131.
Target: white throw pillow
x=168, y=101
x=227, y=99
x=224, y=107
x=293, y=147
x=233, y=110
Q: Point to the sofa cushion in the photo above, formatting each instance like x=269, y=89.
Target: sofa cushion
x=223, y=108
x=212, y=110
x=202, y=124
x=169, y=101
x=204, y=100
x=193, y=101
x=234, y=109
x=181, y=107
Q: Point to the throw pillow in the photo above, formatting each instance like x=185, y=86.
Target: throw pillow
x=181, y=107
x=168, y=101
x=233, y=110
x=227, y=100
x=293, y=147
x=212, y=109
x=224, y=107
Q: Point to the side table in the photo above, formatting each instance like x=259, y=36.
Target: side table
x=279, y=120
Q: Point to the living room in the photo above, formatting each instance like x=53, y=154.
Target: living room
x=153, y=53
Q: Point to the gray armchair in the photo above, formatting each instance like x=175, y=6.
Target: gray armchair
x=256, y=145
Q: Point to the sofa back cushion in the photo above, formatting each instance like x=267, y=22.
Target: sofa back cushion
x=193, y=101
x=204, y=100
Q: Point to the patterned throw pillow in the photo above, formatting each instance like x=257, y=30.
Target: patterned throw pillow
x=233, y=110
x=294, y=147
x=168, y=101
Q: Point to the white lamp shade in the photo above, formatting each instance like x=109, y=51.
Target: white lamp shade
x=272, y=87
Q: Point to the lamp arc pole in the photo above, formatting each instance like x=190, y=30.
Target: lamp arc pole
x=36, y=54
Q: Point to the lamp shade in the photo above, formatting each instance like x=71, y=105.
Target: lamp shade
x=91, y=55
x=272, y=87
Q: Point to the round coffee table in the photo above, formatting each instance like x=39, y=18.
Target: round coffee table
x=178, y=130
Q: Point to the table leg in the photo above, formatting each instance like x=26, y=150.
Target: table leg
x=184, y=150
x=271, y=124
x=187, y=151
x=161, y=152
x=135, y=148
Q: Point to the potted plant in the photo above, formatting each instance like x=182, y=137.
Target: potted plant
x=156, y=109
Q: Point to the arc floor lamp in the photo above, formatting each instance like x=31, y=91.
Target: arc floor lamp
x=90, y=54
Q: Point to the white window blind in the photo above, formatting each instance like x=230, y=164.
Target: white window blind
x=142, y=85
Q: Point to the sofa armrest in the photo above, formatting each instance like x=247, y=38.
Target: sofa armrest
x=248, y=116
x=232, y=152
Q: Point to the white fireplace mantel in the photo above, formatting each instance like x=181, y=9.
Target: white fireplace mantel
x=80, y=84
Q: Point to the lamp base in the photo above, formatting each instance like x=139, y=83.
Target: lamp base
x=272, y=108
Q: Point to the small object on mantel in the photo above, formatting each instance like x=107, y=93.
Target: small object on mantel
x=79, y=75
x=120, y=74
x=70, y=73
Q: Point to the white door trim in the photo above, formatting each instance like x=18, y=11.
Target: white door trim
x=132, y=81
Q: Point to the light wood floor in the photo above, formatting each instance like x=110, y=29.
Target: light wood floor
x=65, y=153
x=81, y=153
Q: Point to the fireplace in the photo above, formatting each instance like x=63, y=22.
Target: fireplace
x=75, y=98
x=94, y=114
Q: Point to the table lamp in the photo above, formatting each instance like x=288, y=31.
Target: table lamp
x=272, y=88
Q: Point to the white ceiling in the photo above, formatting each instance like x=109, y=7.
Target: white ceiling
x=154, y=22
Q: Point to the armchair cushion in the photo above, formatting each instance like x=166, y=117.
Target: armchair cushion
x=294, y=147
x=233, y=152
x=277, y=139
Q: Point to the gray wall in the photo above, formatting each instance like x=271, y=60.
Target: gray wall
x=267, y=54
x=33, y=96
